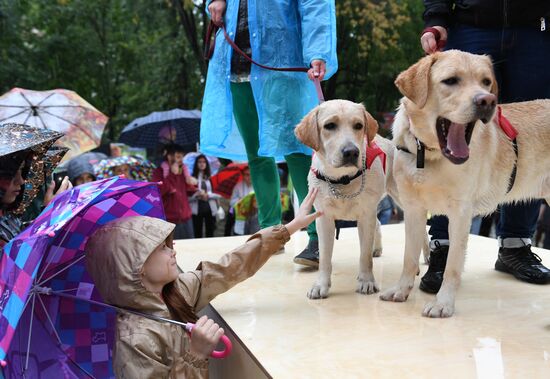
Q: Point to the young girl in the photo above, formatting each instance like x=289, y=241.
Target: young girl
x=134, y=266
x=204, y=203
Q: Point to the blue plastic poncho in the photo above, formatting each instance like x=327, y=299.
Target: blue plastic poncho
x=283, y=33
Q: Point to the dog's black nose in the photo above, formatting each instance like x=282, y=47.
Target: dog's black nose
x=485, y=104
x=350, y=153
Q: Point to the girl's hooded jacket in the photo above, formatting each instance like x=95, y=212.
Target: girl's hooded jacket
x=146, y=348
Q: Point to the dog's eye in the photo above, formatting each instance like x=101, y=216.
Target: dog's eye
x=358, y=126
x=450, y=81
x=487, y=82
x=330, y=126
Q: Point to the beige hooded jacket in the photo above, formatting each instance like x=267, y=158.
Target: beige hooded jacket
x=146, y=348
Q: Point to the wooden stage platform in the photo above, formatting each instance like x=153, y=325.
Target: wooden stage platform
x=501, y=328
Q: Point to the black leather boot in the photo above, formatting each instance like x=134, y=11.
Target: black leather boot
x=432, y=279
x=310, y=255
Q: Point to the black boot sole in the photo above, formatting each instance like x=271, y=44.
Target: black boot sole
x=428, y=288
x=499, y=266
x=306, y=262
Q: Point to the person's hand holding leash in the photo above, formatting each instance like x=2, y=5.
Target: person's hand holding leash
x=318, y=69
x=429, y=41
x=217, y=11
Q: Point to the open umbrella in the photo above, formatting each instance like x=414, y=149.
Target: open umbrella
x=22, y=143
x=140, y=169
x=190, y=158
x=227, y=178
x=60, y=110
x=47, y=336
x=173, y=126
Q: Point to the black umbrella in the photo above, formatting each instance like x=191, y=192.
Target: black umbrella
x=174, y=126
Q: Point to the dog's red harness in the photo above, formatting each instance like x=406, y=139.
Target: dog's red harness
x=511, y=133
x=372, y=152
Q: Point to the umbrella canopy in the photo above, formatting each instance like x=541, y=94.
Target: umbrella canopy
x=40, y=173
x=174, y=126
x=227, y=178
x=140, y=169
x=190, y=158
x=60, y=110
x=22, y=143
x=55, y=334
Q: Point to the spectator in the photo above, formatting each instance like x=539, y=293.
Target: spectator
x=174, y=189
x=204, y=203
x=267, y=105
x=515, y=36
x=80, y=171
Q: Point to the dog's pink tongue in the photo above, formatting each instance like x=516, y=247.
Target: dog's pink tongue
x=456, y=140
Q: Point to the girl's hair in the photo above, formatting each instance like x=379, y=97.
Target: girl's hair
x=196, y=167
x=179, y=309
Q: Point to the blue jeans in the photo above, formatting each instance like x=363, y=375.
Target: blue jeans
x=521, y=58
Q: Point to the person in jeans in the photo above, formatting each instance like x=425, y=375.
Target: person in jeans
x=514, y=34
x=266, y=105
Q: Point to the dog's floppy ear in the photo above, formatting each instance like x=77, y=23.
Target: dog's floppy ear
x=308, y=132
x=414, y=82
x=371, y=126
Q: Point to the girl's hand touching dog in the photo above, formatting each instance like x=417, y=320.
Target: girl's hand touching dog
x=303, y=217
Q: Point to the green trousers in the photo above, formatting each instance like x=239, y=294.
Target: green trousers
x=263, y=170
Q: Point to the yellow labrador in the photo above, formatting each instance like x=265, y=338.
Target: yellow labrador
x=339, y=132
x=450, y=107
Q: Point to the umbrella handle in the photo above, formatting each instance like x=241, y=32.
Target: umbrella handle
x=216, y=353
x=3, y=363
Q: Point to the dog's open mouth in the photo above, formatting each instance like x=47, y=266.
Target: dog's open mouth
x=454, y=139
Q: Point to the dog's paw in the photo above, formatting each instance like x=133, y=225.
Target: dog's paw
x=396, y=294
x=377, y=252
x=437, y=309
x=368, y=287
x=318, y=291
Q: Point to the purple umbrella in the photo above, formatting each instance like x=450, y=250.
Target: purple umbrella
x=47, y=336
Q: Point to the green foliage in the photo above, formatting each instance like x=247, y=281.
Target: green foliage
x=132, y=57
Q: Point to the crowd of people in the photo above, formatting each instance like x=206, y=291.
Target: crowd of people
x=265, y=106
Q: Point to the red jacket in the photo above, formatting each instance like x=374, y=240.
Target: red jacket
x=174, y=192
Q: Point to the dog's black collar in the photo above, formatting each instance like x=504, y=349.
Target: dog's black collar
x=420, y=152
x=421, y=148
x=346, y=179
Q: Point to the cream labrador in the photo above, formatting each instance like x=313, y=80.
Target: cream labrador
x=339, y=132
x=450, y=108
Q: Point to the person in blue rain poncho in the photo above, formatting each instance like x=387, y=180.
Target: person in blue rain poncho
x=249, y=113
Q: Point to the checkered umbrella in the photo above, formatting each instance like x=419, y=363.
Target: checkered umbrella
x=58, y=336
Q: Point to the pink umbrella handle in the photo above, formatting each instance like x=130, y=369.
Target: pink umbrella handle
x=3, y=363
x=216, y=353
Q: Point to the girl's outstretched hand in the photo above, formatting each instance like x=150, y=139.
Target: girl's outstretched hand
x=303, y=217
x=204, y=337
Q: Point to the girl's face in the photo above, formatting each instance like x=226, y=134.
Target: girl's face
x=14, y=188
x=161, y=267
x=201, y=164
